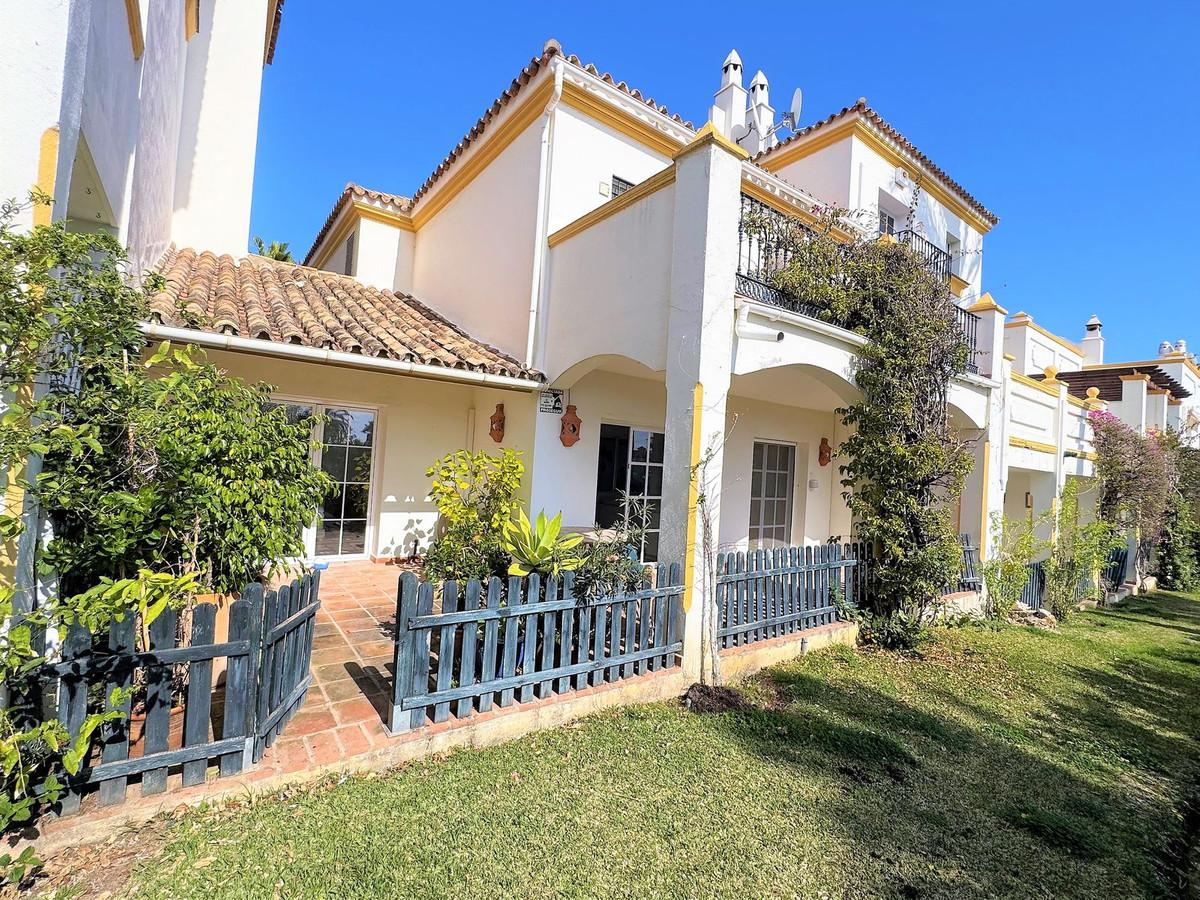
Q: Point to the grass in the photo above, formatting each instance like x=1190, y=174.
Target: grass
x=1007, y=762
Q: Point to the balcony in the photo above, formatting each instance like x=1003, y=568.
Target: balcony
x=765, y=239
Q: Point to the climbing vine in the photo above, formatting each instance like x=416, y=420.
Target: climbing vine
x=903, y=465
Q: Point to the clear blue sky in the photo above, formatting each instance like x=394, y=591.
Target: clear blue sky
x=1075, y=122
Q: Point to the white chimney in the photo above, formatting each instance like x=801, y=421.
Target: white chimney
x=1165, y=349
x=728, y=113
x=1093, y=342
x=1181, y=346
x=762, y=117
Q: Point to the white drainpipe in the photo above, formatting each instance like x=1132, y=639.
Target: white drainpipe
x=537, y=285
x=748, y=332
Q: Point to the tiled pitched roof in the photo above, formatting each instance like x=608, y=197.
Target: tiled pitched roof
x=273, y=30
x=256, y=297
x=886, y=128
x=351, y=192
x=526, y=75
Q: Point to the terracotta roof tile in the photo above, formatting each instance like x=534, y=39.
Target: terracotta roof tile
x=350, y=193
x=256, y=297
x=886, y=128
x=269, y=57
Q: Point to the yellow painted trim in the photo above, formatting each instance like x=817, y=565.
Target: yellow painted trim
x=859, y=128
x=983, y=524
x=47, y=172
x=133, y=18
x=1157, y=391
x=191, y=19
x=759, y=193
x=403, y=221
x=1135, y=376
x=1027, y=444
x=1022, y=320
x=1174, y=401
x=1010, y=357
x=1082, y=454
x=689, y=550
x=709, y=135
x=958, y=285
x=334, y=239
x=986, y=303
x=1188, y=362
x=1034, y=383
x=481, y=155
x=1075, y=401
x=613, y=206
x=617, y=119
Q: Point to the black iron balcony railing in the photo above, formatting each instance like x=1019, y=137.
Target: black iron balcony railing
x=937, y=259
x=766, y=238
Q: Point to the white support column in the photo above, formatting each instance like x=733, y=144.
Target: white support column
x=699, y=358
x=1134, y=392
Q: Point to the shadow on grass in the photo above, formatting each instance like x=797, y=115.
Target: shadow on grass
x=953, y=798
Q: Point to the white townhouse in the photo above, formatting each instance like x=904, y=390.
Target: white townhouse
x=574, y=281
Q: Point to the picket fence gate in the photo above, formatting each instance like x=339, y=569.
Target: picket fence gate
x=267, y=659
x=519, y=638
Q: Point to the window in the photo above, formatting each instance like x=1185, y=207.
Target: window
x=629, y=478
x=348, y=269
x=771, y=484
x=620, y=186
x=887, y=223
x=954, y=249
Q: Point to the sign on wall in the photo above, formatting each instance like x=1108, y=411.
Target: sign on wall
x=553, y=401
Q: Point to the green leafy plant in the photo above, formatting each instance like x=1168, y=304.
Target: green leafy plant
x=475, y=495
x=277, y=250
x=1005, y=572
x=1176, y=564
x=904, y=467
x=540, y=547
x=609, y=558
x=1078, y=551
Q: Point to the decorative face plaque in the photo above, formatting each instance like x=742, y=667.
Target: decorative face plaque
x=571, y=423
x=497, y=420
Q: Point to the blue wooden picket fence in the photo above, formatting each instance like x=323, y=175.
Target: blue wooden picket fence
x=1035, y=586
x=765, y=594
x=266, y=654
x=512, y=640
x=969, y=578
x=1114, y=570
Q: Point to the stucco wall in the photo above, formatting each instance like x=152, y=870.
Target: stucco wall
x=384, y=256
x=825, y=174
x=587, y=154
x=564, y=478
x=1034, y=351
x=609, y=288
x=816, y=513
x=157, y=159
x=474, y=260
x=219, y=127
x=33, y=46
x=419, y=421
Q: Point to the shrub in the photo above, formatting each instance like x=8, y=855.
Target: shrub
x=1006, y=570
x=475, y=495
x=1078, y=552
x=1178, y=568
x=540, y=547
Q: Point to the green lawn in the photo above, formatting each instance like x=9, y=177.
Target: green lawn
x=1009, y=762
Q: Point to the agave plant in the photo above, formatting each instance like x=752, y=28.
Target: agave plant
x=538, y=547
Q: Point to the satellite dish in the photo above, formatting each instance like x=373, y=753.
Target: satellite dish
x=792, y=117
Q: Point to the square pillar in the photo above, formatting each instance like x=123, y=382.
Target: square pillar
x=699, y=359
x=990, y=338
x=1134, y=393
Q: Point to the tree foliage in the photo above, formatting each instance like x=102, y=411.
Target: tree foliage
x=1006, y=571
x=904, y=467
x=277, y=250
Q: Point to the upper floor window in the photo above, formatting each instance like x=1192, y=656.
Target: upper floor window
x=887, y=223
x=348, y=269
x=620, y=186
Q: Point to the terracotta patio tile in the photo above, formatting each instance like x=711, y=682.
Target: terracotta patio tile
x=324, y=748
x=346, y=689
x=329, y=672
x=353, y=740
x=357, y=710
x=372, y=649
x=307, y=722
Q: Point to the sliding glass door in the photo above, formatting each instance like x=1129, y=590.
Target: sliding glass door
x=346, y=453
x=629, y=479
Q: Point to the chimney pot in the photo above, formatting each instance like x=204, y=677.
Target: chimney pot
x=1165, y=349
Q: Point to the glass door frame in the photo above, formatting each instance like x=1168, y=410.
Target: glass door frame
x=630, y=462
x=789, y=501
x=319, y=406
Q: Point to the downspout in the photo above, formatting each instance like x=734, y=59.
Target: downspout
x=538, y=284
